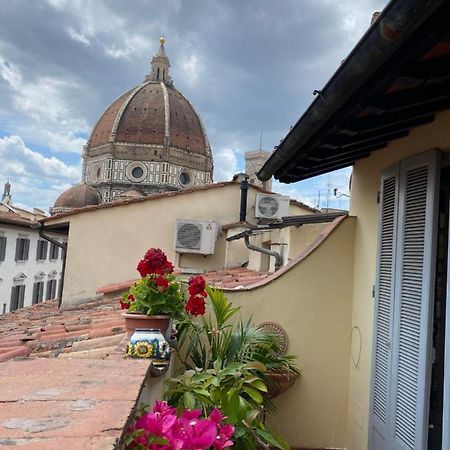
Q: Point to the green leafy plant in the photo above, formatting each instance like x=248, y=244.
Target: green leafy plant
x=237, y=392
x=221, y=336
x=150, y=295
x=227, y=362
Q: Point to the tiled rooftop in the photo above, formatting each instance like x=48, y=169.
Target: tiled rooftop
x=76, y=389
x=43, y=330
x=11, y=218
x=225, y=279
x=234, y=278
x=81, y=404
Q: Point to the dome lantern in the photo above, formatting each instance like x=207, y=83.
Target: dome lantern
x=160, y=65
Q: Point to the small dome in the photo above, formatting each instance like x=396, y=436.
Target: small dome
x=77, y=197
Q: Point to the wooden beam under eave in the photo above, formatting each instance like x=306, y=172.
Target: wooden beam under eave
x=409, y=98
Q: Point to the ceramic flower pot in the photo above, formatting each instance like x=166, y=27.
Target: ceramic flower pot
x=149, y=343
x=134, y=321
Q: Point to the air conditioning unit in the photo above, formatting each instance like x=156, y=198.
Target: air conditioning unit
x=273, y=207
x=195, y=236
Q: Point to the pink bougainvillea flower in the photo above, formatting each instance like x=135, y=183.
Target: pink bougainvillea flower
x=223, y=438
x=216, y=416
x=188, y=432
x=201, y=434
x=191, y=414
x=163, y=408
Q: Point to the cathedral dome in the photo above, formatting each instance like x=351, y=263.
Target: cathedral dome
x=151, y=137
x=77, y=196
x=153, y=113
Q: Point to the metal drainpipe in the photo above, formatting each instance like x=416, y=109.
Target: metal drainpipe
x=276, y=255
x=244, y=192
x=62, y=245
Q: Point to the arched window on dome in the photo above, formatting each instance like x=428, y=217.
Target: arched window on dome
x=164, y=75
x=157, y=73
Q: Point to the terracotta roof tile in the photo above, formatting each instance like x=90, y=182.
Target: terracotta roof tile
x=73, y=403
x=232, y=278
x=9, y=217
x=77, y=389
x=43, y=329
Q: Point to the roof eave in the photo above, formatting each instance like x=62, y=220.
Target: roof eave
x=384, y=37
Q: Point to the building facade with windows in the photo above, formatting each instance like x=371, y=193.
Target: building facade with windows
x=30, y=267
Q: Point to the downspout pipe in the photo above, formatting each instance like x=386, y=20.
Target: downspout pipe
x=386, y=35
x=244, y=194
x=276, y=255
x=63, y=246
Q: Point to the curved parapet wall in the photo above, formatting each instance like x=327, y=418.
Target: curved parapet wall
x=311, y=298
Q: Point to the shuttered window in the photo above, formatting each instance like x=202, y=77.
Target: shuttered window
x=38, y=292
x=2, y=248
x=22, y=248
x=54, y=251
x=410, y=308
x=403, y=306
x=41, y=250
x=17, y=297
x=51, y=290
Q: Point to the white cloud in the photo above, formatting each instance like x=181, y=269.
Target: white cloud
x=132, y=44
x=79, y=37
x=192, y=68
x=225, y=164
x=354, y=17
x=45, y=103
x=34, y=177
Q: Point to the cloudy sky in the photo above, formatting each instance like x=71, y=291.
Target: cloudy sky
x=247, y=66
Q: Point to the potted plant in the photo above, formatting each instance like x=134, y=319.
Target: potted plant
x=156, y=297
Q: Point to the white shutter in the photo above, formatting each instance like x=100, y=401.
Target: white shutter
x=378, y=433
x=404, y=305
x=414, y=299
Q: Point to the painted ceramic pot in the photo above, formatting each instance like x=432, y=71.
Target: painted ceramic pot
x=148, y=343
x=134, y=321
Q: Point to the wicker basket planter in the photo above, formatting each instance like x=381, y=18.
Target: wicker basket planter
x=278, y=383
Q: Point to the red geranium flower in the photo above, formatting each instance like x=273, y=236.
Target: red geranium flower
x=154, y=261
x=195, y=306
x=124, y=305
x=197, y=286
x=161, y=282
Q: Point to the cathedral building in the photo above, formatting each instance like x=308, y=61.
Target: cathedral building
x=148, y=140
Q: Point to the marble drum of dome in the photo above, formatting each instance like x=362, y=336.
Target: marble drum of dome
x=148, y=343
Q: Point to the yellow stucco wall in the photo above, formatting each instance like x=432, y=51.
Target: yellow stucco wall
x=105, y=244
x=313, y=303
x=301, y=237
x=365, y=185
